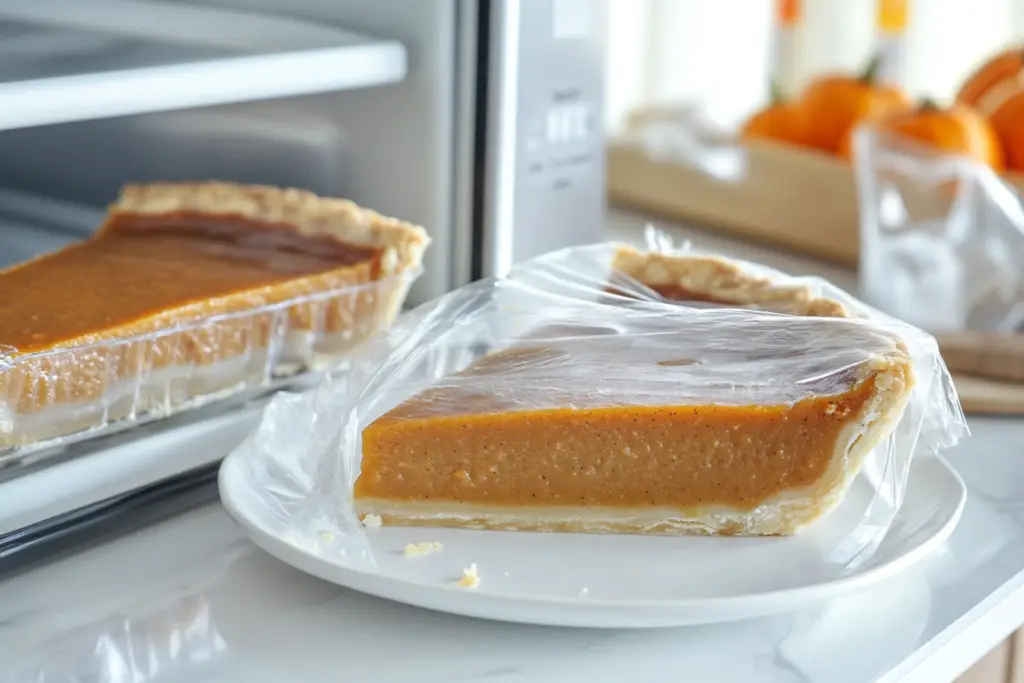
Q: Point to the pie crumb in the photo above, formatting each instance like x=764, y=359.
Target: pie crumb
x=326, y=536
x=419, y=549
x=470, y=578
x=372, y=521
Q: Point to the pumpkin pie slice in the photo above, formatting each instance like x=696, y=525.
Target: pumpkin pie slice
x=192, y=291
x=703, y=421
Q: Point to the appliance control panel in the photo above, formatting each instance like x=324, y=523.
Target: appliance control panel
x=560, y=93
x=558, y=192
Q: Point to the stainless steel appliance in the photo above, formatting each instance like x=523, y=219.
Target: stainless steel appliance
x=480, y=119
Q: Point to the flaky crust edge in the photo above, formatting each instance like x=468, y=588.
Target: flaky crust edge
x=403, y=244
x=725, y=281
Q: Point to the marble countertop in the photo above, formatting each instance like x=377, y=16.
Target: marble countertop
x=192, y=600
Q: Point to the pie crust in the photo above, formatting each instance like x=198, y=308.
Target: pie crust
x=712, y=455
x=716, y=280
x=220, y=287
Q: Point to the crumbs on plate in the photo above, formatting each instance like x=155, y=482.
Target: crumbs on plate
x=420, y=549
x=470, y=577
x=372, y=521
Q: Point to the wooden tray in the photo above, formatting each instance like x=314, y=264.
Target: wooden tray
x=787, y=197
x=988, y=370
x=802, y=200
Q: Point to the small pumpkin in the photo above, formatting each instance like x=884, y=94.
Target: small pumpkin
x=1003, y=104
x=959, y=129
x=1006, y=64
x=836, y=103
x=782, y=120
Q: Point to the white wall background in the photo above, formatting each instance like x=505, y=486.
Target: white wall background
x=717, y=53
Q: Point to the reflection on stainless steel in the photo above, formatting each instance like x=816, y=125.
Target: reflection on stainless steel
x=942, y=238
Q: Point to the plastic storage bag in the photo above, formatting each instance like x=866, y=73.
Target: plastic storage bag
x=302, y=462
x=942, y=239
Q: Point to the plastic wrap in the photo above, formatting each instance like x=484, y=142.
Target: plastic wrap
x=302, y=462
x=165, y=618
x=942, y=237
x=181, y=635
x=58, y=397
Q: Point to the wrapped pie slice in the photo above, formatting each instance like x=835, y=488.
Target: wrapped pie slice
x=607, y=389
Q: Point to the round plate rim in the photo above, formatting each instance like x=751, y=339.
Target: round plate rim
x=659, y=612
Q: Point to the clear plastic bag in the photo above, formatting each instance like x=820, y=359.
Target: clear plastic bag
x=942, y=239
x=304, y=459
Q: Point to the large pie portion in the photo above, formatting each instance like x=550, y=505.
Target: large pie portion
x=703, y=421
x=192, y=290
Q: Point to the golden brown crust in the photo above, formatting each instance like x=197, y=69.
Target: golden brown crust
x=403, y=243
x=722, y=281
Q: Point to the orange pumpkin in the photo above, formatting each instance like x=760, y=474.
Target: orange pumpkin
x=781, y=120
x=835, y=104
x=1003, y=104
x=1006, y=64
x=959, y=129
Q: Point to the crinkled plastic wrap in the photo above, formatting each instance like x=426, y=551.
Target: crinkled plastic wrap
x=942, y=238
x=683, y=134
x=177, y=636
x=302, y=461
x=55, y=398
x=145, y=633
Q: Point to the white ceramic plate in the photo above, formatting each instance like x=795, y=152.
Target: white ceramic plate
x=619, y=581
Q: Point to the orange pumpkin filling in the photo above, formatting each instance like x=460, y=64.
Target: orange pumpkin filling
x=457, y=446
x=140, y=266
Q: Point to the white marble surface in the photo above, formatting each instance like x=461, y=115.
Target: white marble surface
x=192, y=600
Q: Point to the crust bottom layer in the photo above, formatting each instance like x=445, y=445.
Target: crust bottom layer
x=711, y=521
